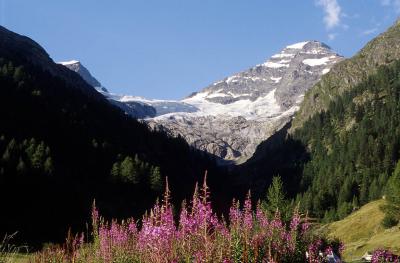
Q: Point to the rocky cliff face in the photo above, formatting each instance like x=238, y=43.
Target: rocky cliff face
x=233, y=139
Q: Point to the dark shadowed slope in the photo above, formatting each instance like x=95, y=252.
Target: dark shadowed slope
x=62, y=144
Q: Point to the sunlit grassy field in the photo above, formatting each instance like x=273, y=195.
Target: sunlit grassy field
x=362, y=231
x=20, y=258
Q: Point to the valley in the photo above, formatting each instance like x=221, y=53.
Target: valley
x=295, y=159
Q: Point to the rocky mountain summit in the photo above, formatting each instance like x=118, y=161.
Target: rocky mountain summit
x=133, y=108
x=76, y=66
x=382, y=50
x=237, y=113
x=288, y=73
x=231, y=117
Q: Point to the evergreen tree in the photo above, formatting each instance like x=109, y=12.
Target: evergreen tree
x=344, y=209
x=48, y=166
x=18, y=74
x=21, y=167
x=6, y=156
x=156, y=182
x=355, y=203
x=31, y=149
x=129, y=171
x=10, y=151
x=115, y=170
x=374, y=192
x=275, y=199
x=38, y=158
x=392, y=208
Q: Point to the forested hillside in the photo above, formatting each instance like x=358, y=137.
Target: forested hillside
x=354, y=146
x=382, y=50
x=340, y=158
x=342, y=146
x=62, y=146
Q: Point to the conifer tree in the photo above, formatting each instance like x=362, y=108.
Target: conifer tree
x=38, y=158
x=115, y=170
x=21, y=167
x=156, y=183
x=392, y=208
x=276, y=199
x=128, y=171
x=48, y=166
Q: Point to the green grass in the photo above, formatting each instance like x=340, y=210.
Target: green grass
x=362, y=231
x=19, y=258
x=10, y=253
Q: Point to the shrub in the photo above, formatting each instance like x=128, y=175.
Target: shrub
x=389, y=221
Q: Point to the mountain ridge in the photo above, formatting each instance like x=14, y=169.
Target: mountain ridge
x=230, y=117
x=132, y=108
x=62, y=145
x=382, y=50
x=343, y=155
x=77, y=66
x=23, y=49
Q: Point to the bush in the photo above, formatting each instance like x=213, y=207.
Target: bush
x=389, y=221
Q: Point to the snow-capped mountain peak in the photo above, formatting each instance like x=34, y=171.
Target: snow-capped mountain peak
x=66, y=63
x=76, y=65
x=294, y=67
x=232, y=116
x=238, y=112
x=299, y=45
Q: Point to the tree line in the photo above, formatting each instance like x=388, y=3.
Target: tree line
x=342, y=157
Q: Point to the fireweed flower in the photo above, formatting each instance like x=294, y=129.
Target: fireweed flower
x=248, y=214
x=261, y=217
x=235, y=215
x=200, y=236
x=341, y=247
x=295, y=222
x=381, y=255
x=313, y=251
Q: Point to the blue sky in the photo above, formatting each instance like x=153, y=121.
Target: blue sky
x=168, y=49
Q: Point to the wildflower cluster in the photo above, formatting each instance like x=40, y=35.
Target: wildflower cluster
x=381, y=255
x=250, y=235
